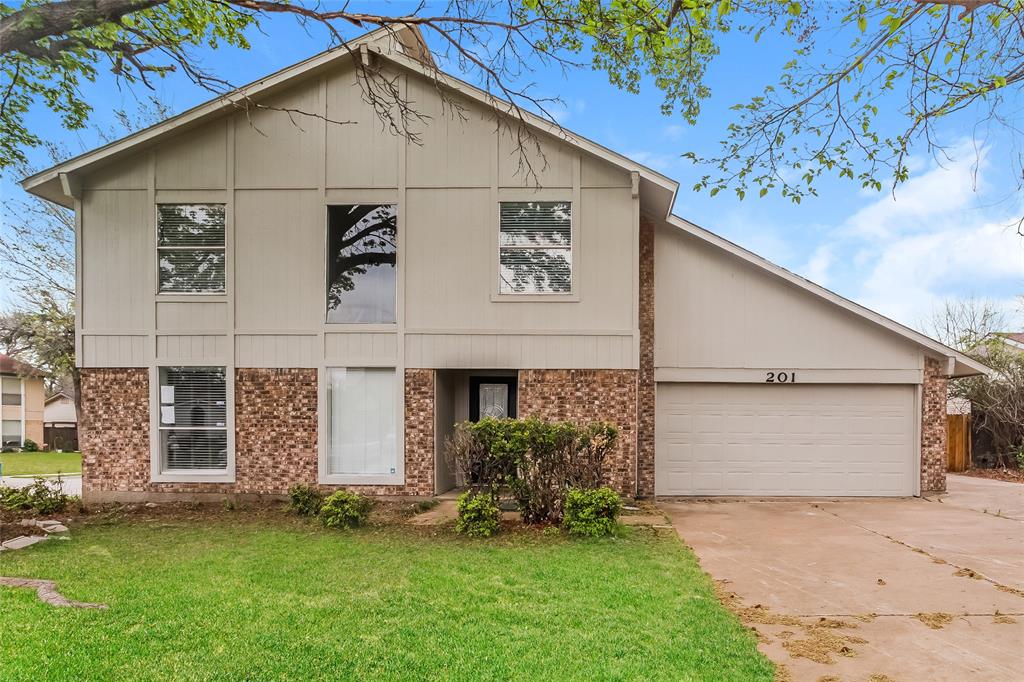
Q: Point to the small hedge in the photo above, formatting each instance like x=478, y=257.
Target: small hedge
x=30, y=446
x=306, y=499
x=591, y=513
x=344, y=509
x=479, y=517
x=45, y=496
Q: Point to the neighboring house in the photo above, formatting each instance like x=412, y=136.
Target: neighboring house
x=21, y=404
x=264, y=302
x=60, y=422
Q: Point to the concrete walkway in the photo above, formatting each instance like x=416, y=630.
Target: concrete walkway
x=910, y=589
x=72, y=484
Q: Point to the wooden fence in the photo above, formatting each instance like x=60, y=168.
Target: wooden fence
x=958, y=442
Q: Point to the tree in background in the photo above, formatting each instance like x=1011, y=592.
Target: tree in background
x=930, y=59
x=37, y=257
x=974, y=327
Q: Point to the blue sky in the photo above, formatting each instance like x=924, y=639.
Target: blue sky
x=948, y=233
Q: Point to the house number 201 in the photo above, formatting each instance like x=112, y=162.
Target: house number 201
x=780, y=378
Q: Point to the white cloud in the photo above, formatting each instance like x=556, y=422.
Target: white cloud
x=903, y=256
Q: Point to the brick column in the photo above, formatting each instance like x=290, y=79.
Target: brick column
x=419, y=431
x=645, y=401
x=933, y=429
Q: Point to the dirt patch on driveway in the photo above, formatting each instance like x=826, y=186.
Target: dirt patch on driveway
x=901, y=589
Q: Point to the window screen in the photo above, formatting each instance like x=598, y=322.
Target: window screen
x=193, y=418
x=362, y=425
x=535, y=247
x=190, y=248
x=361, y=257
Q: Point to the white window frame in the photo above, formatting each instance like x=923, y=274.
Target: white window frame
x=157, y=472
x=568, y=196
x=384, y=199
x=222, y=293
x=326, y=478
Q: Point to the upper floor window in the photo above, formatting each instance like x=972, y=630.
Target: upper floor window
x=362, y=249
x=190, y=248
x=535, y=247
x=10, y=391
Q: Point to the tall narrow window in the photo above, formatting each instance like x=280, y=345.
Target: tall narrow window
x=361, y=257
x=10, y=432
x=535, y=247
x=193, y=419
x=361, y=423
x=11, y=391
x=190, y=248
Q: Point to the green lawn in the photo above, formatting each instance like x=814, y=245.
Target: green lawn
x=234, y=599
x=32, y=463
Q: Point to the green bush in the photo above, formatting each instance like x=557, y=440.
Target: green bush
x=537, y=461
x=30, y=446
x=479, y=516
x=591, y=513
x=306, y=500
x=344, y=509
x=45, y=496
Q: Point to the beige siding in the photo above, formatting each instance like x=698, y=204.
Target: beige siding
x=276, y=350
x=180, y=316
x=194, y=160
x=354, y=349
x=511, y=351
x=279, y=254
x=118, y=259
x=192, y=348
x=360, y=153
x=277, y=148
x=108, y=350
x=714, y=311
x=276, y=172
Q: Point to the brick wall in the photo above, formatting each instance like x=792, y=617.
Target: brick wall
x=275, y=429
x=275, y=435
x=586, y=395
x=113, y=430
x=933, y=429
x=645, y=402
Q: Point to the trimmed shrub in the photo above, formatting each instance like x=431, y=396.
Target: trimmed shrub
x=537, y=461
x=306, y=500
x=30, y=446
x=591, y=513
x=479, y=516
x=345, y=509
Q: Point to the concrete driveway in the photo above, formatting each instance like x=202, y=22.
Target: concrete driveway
x=898, y=589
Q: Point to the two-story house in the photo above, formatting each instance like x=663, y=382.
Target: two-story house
x=265, y=301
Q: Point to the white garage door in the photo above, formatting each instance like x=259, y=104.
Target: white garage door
x=759, y=439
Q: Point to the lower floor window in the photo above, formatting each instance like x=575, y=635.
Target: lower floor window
x=361, y=421
x=193, y=419
x=10, y=431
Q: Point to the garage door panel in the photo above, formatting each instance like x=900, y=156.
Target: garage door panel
x=753, y=439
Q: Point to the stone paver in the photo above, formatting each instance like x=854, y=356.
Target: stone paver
x=23, y=541
x=46, y=590
x=906, y=588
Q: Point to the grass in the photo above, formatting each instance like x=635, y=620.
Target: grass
x=233, y=598
x=40, y=463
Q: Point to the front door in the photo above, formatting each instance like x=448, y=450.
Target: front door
x=492, y=397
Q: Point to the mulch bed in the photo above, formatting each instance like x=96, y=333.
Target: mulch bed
x=1011, y=475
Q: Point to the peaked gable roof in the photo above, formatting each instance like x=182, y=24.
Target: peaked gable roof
x=403, y=47
x=406, y=48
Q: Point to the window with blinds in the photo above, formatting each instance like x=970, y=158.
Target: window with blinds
x=193, y=419
x=190, y=248
x=535, y=247
x=362, y=424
